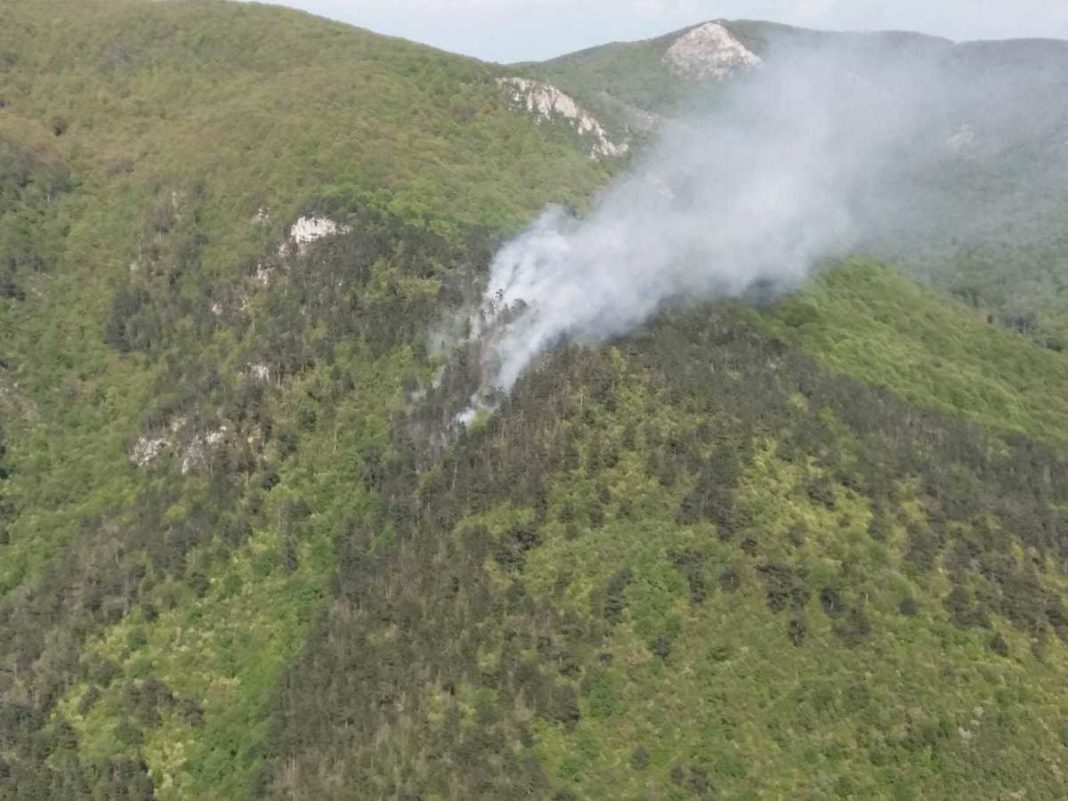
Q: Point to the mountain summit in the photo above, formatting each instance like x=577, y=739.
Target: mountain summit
x=708, y=51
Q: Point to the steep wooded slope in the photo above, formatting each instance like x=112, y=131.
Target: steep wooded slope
x=154, y=157
x=239, y=558
x=694, y=565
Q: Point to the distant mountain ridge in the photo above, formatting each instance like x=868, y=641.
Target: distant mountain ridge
x=996, y=166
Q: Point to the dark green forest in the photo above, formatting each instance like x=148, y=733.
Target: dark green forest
x=811, y=548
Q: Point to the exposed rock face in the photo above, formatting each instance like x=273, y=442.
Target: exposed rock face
x=194, y=454
x=708, y=51
x=197, y=453
x=310, y=229
x=548, y=103
x=260, y=372
x=146, y=450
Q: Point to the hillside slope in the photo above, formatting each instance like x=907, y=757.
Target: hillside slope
x=986, y=196
x=815, y=549
x=696, y=565
x=660, y=75
x=154, y=158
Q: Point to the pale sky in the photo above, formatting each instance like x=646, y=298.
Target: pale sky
x=519, y=30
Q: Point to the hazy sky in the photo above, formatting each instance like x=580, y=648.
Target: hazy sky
x=518, y=30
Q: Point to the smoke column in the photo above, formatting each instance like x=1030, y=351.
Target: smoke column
x=775, y=175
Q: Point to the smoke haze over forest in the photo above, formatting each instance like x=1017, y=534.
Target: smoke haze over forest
x=809, y=155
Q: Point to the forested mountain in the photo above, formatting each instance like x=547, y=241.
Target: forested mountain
x=987, y=198
x=814, y=547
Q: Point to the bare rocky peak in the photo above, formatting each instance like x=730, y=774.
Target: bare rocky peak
x=708, y=51
x=546, y=103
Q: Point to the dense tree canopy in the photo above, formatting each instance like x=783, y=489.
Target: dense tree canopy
x=815, y=549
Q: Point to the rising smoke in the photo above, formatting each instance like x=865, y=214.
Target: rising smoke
x=793, y=164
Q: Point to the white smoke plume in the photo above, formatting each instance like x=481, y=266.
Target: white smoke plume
x=776, y=174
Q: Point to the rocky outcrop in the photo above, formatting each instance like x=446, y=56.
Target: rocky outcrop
x=197, y=452
x=547, y=103
x=193, y=449
x=310, y=229
x=709, y=51
x=147, y=449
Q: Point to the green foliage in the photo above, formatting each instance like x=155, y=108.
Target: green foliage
x=138, y=143
x=548, y=620
x=864, y=320
x=243, y=556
